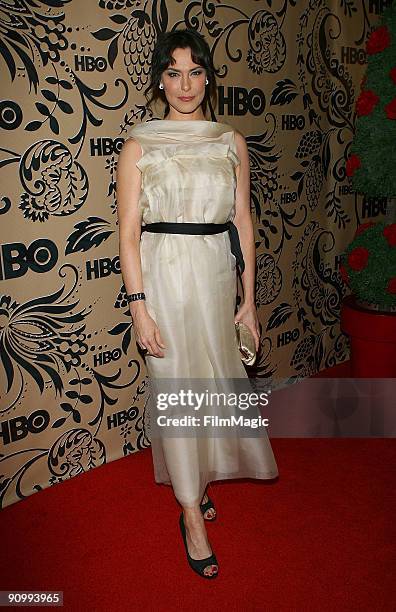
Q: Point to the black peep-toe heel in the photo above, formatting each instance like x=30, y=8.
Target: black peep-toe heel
x=198, y=565
x=206, y=506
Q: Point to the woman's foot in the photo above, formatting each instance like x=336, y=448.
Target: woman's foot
x=197, y=538
x=210, y=512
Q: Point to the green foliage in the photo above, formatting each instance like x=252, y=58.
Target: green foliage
x=370, y=284
x=375, y=135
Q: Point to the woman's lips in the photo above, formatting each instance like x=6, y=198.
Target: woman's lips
x=186, y=99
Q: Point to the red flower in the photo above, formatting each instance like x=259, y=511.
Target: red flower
x=366, y=102
x=358, y=258
x=363, y=227
x=378, y=40
x=390, y=109
x=353, y=163
x=391, y=288
x=344, y=274
x=392, y=75
x=390, y=234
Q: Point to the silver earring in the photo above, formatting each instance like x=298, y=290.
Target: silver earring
x=206, y=82
x=161, y=86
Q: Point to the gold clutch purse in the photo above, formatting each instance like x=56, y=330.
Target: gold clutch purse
x=246, y=343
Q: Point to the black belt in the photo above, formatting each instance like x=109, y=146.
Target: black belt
x=201, y=229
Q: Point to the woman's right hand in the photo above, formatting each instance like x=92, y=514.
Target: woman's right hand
x=147, y=333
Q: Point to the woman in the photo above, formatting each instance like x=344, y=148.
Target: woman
x=184, y=170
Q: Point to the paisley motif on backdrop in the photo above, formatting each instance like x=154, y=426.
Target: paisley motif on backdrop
x=55, y=183
x=267, y=51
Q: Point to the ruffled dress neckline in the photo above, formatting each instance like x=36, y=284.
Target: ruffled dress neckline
x=190, y=126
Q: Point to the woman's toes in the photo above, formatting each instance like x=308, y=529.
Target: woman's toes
x=210, y=513
x=210, y=570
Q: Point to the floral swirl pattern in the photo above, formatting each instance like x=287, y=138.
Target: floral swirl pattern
x=267, y=51
x=55, y=183
x=39, y=338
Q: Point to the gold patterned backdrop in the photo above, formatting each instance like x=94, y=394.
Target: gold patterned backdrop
x=73, y=386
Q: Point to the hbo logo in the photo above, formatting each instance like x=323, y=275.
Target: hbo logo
x=16, y=259
x=288, y=336
x=240, y=101
x=105, y=146
x=18, y=428
x=87, y=63
x=106, y=357
x=293, y=122
x=100, y=268
x=119, y=418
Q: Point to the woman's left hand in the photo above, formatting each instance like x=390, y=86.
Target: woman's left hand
x=247, y=314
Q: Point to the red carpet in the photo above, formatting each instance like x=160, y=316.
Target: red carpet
x=320, y=538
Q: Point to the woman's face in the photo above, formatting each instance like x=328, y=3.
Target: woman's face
x=184, y=79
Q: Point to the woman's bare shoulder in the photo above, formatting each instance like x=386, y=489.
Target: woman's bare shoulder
x=131, y=148
x=239, y=137
x=240, y=144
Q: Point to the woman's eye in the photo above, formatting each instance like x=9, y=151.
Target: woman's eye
x=196, y=73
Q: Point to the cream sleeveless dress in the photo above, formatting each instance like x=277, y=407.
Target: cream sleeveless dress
x=188, y=175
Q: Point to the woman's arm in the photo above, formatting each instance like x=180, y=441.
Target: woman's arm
x=243, y=221
x=129, y=219
x=243, y=218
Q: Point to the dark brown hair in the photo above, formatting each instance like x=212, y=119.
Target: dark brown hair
x=162, y=59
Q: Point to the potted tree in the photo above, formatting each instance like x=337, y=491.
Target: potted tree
x=368, y=267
